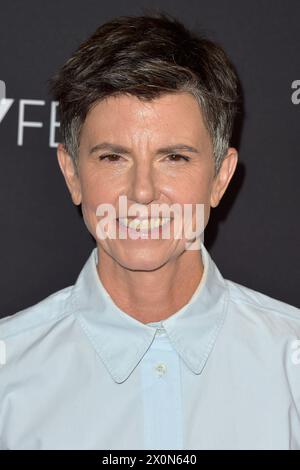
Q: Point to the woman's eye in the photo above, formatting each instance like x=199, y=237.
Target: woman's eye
x=115, y=158
x=176, y=157
x=111, y=157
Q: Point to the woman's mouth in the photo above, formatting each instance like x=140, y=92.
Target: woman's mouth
x=138, y=226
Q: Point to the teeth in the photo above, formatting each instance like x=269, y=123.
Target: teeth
x=144, y=224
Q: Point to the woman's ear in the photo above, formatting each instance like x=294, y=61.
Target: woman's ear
x=223, y=177
x=69, y=172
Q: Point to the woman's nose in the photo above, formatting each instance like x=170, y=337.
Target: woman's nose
x=144, y=184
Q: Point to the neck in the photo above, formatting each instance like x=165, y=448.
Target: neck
x=150, y=296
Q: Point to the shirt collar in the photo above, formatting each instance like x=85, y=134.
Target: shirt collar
x=121, y=341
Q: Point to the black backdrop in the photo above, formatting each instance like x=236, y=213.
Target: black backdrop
x=252, y=235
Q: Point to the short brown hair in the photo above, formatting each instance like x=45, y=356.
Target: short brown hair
x=147, y=56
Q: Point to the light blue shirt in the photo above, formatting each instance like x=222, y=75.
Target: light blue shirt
x=223, y=372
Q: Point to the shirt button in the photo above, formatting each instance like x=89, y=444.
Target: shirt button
x=160, y=331
x=161, y=369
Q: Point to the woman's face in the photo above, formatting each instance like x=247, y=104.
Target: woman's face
x=163, y=155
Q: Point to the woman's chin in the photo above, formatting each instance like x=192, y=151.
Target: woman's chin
x=143, y=255
x=142, y=262
x=145, y=259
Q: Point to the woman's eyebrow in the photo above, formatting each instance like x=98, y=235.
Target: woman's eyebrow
x=125, y=150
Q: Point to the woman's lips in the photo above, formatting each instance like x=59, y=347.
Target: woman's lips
x=145, y=229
